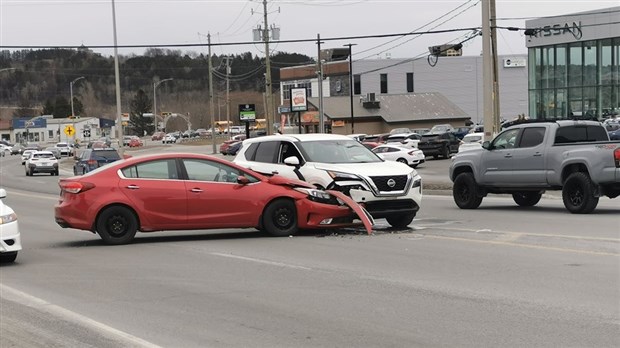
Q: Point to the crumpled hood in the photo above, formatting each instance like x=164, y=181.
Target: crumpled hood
x=386, y=168
x=284, y=181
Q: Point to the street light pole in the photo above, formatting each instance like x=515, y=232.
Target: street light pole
x=351, y=86
x=155, y=85
x=71, y=91
x=119, y=117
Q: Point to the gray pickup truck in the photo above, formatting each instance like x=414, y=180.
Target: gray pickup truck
x=529, y=158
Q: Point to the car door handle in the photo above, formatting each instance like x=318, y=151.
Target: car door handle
x=133, y=187
x=508, y=155
x=537, y=154
x=196, y=190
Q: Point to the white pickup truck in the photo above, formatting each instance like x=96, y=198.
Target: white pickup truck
x=526, y=159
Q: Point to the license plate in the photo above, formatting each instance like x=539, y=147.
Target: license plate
x=44, y=164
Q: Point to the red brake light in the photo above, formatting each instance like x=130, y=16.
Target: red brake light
x=92, y=162
x=75, y=186
x=617, y=156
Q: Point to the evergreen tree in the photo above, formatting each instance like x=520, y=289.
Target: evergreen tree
x=60, y=107
x=140, y=105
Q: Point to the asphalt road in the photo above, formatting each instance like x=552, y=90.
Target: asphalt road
x=499, y=275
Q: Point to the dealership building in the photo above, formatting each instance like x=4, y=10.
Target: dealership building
x=574, y=65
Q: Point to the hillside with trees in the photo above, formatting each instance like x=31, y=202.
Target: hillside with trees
x=40, y=83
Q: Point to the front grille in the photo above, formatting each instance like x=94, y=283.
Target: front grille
x=400, y=182
x=381, y=209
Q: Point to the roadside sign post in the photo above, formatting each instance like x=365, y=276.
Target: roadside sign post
x=247, y=114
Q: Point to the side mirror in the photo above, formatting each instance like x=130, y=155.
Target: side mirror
x=242, y=180
x=292, y=161
x=486, y=145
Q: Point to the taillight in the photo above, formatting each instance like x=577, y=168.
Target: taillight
x=75, y=186
x=92, y=162
x=617, y=156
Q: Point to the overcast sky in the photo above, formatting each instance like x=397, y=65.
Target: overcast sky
x=167, y=22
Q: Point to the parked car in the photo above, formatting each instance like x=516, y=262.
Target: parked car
x=400, y=153
x=126, y=140
x=55, y=151
x=407, y=139
x=471, y=141
x=65, y=149
x=460, y=132
x=370, y=145
x=158, y=136
x=225, y=145
x=233, y=148
x=10, y=240
x=17, y=149
x=193, y=191
x=4, y=149
x=135, y=142
x=420, y=131
x=440, y=141
x=203, y=133
x=169, y=139
x=614, y=135
x=377, y=138
x=477, y=128
x=91, y=159
x=358, y=136
x=388, y=189
x=400, y=131
x=41, y=162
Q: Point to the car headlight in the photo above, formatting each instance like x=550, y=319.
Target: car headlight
x=417, y=182
x=5, y=219
x=317, y=195
x=341, y=175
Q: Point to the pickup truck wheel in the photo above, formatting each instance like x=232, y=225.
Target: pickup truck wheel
x=280, y=218
x=117, y=225
x=526, y=199
x=400, y=221
x=445, y=151
x=465, y=191
x=578, y=194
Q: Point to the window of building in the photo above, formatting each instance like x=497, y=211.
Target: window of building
x=286, y=92
x=357, y=84
x=308, y=86
x=384, y=83
x=410, y=82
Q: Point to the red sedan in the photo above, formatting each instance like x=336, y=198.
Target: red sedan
x=193, y=191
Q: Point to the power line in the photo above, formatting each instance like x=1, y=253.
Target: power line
x=557, y=16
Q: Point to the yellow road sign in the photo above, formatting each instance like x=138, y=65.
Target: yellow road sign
x=69, y=130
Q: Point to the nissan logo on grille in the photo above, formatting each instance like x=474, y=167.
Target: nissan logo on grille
x=391, y=183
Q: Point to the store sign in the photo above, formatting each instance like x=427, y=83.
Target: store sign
x=299, y=99
x=247, y=112
x=515, y=62
x=573, y=28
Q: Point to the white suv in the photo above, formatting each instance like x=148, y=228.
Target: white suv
x=10, y=241
x=386, y=189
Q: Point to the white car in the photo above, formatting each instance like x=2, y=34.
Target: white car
x=400, y=153
x=10, y=241
x=26, y=154
x=65, y=149
x=407, y=139
x=41, y=162
x=387, y=189
x=169, y=139
x=471, y=141
x=4, y=150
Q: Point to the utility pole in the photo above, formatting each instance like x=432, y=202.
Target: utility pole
x=320, y=73
x=119, y=117
x=228, y=96
x=268, y=72
x=487, y=73
x=351, y=86
x=211, y=106
x=496, y=110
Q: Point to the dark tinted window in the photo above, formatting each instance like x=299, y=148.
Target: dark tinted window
x=267, y=152
x=105, y=154
x=384, y=83
x=251, y=152
x=532, y=136
x=574, y=134
x=410, y=82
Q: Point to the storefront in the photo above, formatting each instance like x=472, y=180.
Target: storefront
x=574, y=65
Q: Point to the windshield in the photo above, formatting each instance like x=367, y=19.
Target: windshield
x=472, y=139
x=439, y=129
x=337, y=151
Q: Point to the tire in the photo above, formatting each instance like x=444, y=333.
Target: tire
x=56, y=172
x=280, y=218
x=526, y=199
x=117, y=225
x=31, y=171
x=445, y=152
x=8, y=257
x=402, y=160
x=27, y=172
x=400, y=221
x=465, y=191
x=578, y=194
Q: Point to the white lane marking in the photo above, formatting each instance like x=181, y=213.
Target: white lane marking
x=42, y=305
x=266, y=262
x=529, y=234
x=38, y=195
